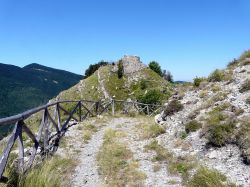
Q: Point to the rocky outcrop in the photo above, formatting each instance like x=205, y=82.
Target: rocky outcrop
x=231, y=159
x=131, y=64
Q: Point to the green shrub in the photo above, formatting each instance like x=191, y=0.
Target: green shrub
x=93, y=67
x=245, y=55
x=197, y=81
x=183, y=135
x=173, y=107
x=220, y=134
x=209, y=178
x=143, y=84
x=155, y=67
x=151, y=97
x=120, y=70
x=245, y=86
x=216, y=76
x=161, y=153
x=234, y=62
x=152, y=130
x=248, y=100
x=192, y=126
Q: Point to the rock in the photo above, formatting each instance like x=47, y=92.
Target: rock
x=99, y=116
x=212, y=155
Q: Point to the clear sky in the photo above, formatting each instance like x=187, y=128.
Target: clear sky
x=187, y=37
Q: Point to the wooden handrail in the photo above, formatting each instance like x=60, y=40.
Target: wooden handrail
x=52, y=128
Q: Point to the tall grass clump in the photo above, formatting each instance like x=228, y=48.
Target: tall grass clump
x=216, y=76
x=115, y=162
x=205, y=177
x=50, y=173
x=245, y=86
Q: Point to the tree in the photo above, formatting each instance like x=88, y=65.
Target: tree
x=168, y=76
x=155, y=67
x=120, y=70
x=93, y=67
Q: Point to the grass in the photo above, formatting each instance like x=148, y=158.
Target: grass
x=116, y=163
x=245, y=55
x=88, y=131
x=173, y=107
x=245, y=86
x=192, y=126
x=219, y=128
x=161, y=153
x=205, y=177
x=248, y=101
x=151, y=130
x=243, y=139
x=50, y=173
x=216, y=76
x=175, y=165
x=203, y=94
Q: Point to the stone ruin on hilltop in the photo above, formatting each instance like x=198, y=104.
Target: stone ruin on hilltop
x=131, y=64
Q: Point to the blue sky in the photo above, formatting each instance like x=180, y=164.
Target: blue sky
x=187, y=37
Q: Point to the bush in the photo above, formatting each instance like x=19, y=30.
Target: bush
x=162, y=154
x=220, y=134
x=120, y=70
x=216, y=76
x=245, y=86
x=245, y=55
x=155, y=67
x=197, y=81
x=173, y=107
x=93, y=67
x=151, y=97
x=152, y=130
x=234, y=62
x=143, y=84
x=168, y=76
x=248, y=100
x=192, y=126
x=203, y=94
x=208, y=178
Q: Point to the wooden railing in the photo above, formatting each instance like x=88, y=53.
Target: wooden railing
x=53, y=127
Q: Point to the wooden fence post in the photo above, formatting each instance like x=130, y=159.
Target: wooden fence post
x=97, y=107
x=80, y=111
x=46, y=130
x=20, y=149
x=147, y=110
x=113, y=107
x=58, y=116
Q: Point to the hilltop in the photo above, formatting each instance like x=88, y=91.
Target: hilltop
x=137, y=80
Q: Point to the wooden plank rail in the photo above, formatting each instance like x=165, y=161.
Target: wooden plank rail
x=53, y=126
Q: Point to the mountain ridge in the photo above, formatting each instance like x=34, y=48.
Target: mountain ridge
x=25, y=88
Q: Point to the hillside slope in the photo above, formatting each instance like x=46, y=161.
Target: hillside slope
x=213, y=125
x=137, y=81
x=30, y=86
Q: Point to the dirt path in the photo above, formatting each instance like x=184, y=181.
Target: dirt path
x=86, y=172
x=100, y=81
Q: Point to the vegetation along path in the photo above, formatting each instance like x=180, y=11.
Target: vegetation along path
x=113, y=152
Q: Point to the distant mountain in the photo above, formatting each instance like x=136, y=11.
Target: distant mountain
x=30, y=86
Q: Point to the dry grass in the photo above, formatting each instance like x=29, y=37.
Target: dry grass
x=50, y=173
x=115, y=162
x=88, y=131
x=205, y=177
x=175, y=165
